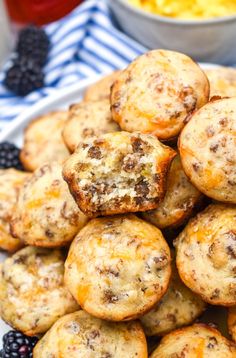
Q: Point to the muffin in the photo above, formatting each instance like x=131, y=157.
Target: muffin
x=180, y=200
x=178, y=307
x=11, y=181
x=87, y=119
x=43, y=141
x=222, y=81
x=118, y=172
x=46, y=214
x=157, y=92
x=32, y=291
x=207, y=149
x=102, y=88
x=81, y=335
x=116, y=273
x=206, y=254
x=195, y=341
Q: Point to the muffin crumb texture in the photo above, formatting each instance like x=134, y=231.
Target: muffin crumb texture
x=118, y=172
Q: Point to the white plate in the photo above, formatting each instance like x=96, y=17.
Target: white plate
x=61, y=100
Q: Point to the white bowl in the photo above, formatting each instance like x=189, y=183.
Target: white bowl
x=210, y=40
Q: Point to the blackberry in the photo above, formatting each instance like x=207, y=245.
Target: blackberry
x=9, y=156
x=24, y=76
x=17, y=345
x=33, y=43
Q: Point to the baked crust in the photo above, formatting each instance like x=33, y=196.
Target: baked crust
x=178, y=307
x=207, y=149
x=11, y=181
x=46, y=214
x=87, y=119
x=129, y=269
x=157, y=92
x=117, y=173
x=198, y=340
x=232, y=322
x=102, y=88
x=180, y=200
x=206, y=254
x=32, y=291
x=43, y=141
x=80, y=335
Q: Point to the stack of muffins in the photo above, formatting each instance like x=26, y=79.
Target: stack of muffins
x=124, y=225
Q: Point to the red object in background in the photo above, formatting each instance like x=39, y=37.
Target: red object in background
x=39, y=12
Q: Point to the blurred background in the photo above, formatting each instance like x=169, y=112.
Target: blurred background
x=49, y=44
x=203, y=29
x=15, y=14
x=39, y=12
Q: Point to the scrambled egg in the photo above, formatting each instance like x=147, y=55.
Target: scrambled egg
x=188, y=9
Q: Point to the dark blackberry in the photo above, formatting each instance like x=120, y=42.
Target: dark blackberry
x=24, y=76
x=9, y=156
x=33, y=43
x=17, y=345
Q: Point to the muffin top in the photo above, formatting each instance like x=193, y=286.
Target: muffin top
x=46, y=214
x=32, y=291
x=43, y=141
x=88, y=119
x=125, y=260
x=157, y=92
x=207, y=149
x=206, y=254
x=79, y=335
x=195, y=341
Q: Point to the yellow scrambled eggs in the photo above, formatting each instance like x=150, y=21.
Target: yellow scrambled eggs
x=188, y=9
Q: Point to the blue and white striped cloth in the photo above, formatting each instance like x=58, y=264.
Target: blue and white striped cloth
x=84, y=43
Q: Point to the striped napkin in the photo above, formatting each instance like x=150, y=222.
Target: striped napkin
x=83, y=43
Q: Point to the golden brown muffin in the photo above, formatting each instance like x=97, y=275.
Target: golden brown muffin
x=87, y=119
x=178, y=307
x=232, y=322
x=102, y=88
x=222, y=81
x=118, y=172
x=206, y=254
x=207, y=149
x=11, y=181
x=46, y=214
x=118, y=268
x=79, y=335
x=32, y=292
x=197, y=341
x=43, y=142
x=179, y=202
x=157, y=92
